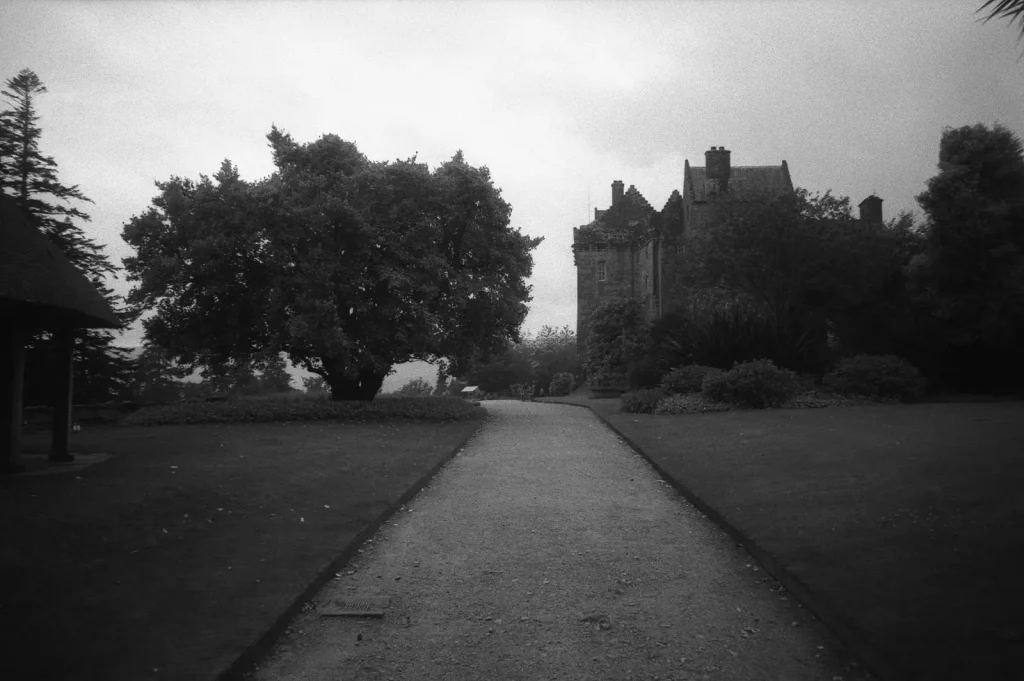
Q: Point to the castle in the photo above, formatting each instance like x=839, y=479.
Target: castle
x=629, y=250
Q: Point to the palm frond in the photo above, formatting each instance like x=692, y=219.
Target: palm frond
x=1004, y=9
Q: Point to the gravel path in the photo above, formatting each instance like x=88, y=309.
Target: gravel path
x=548, y=549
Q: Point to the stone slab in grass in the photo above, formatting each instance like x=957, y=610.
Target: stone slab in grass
x=355, y=606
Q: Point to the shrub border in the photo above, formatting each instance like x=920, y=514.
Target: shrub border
x=246, y=663
x=818, y=607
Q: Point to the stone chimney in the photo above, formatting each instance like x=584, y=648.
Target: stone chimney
x=617, y=192
x=717, y=166
x=871, y=210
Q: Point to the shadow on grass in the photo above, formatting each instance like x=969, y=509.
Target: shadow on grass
x=905, y=522
x=172, y=557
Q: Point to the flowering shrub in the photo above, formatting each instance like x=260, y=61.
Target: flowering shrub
x=643, y=401
x=686, y=379
x=522, y=391
x=757, y=384
x=690, y=403
x=876, y=376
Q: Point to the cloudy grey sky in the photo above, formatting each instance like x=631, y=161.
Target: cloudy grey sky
x=556, y=98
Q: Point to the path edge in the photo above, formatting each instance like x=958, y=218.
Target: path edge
x=245, y=664
x=869, y=658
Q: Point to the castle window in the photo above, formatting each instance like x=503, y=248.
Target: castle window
x=601, y=271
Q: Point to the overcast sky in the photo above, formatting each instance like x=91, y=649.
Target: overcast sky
x=557, y=99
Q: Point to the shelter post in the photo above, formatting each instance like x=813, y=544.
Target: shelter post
x=12, y=385
x=63, y=369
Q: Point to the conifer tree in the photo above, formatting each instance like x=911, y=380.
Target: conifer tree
x=31, y=178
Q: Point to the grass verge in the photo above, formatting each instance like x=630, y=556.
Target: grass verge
x=900, y=522
x=171, y=558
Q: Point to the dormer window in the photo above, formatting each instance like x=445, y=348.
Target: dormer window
x=601, y=273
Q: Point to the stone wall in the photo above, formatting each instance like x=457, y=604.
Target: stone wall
x=590, y=292
x=646, y=277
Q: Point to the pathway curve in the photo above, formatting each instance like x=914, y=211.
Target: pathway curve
x=548, y=549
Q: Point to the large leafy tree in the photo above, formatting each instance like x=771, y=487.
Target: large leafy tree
x=971, y=273
x=772, y=256
x=869, y=308
x=769, y=249
x=800, y=264
x=617, y=335
x=347, y=265
x=102, y=370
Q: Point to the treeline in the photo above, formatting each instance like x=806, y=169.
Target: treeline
x=546, y=363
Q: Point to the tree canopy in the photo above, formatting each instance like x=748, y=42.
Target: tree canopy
x=347, y=265
x=617, y=335
x=793, y=277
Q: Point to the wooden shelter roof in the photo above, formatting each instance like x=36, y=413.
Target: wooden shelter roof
x=38, y=282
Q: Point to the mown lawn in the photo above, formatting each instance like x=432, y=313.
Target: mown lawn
x=169, y=559
x=907, y=521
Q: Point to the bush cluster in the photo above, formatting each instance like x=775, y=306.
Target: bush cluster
x=757, y=384
x=309, y=409
x=876, y=376
x=561, y=384
x=643, y=401
x=686, y=379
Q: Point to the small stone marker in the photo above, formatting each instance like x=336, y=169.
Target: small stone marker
x=355, y=606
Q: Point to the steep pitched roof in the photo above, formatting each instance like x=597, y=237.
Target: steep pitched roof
x=636, y=197
x=674, y=198
x=36, y=276
x=604, y=228
x=742, y=180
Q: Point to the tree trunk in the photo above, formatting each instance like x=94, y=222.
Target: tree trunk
x=363, y=388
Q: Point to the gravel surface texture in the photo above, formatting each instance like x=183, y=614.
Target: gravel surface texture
x=547, y=549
